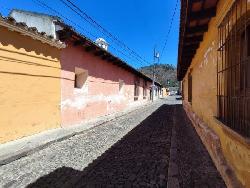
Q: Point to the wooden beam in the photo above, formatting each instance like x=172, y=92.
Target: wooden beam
x=89, y=48
x=188, y=54
x=187, y=57
x=116, y=62
x=193, y=35
x=195, y=1
x=186, y=61
x=191, y=43
x=189, y=50
x=192, y=39
x=104, y=56
x=110, y=58
x=197, y=29
x=64, y=35
x=190, y=46
x=99, y=53
x=79, y=42
x=204, y=13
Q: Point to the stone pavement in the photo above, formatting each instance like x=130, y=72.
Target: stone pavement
x=195, y=166
x=130, y=151
x=19, y=148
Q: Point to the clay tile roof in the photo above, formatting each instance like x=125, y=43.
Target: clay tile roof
x=21, y=27
x=43, y=33
x=89, y=45
x=55, y=42
x=33, y=29
x=10, y=20
x=21, y=24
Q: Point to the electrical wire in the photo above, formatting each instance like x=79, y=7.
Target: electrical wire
x=90, y=20
x=155, y=72
x=40, y=3
x=170, y=27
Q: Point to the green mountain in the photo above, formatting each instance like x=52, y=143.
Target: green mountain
x=164, y=74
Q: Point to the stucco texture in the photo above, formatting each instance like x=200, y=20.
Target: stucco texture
x=29, y=86
x=100, y=94
x=204, y=101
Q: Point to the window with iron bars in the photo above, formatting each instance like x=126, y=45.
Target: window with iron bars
x=233, y=68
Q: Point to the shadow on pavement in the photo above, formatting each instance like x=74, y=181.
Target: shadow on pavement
x=139, y=159
x=196, y=168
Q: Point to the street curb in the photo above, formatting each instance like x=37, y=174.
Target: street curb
x=173, y=170
x=17, y=149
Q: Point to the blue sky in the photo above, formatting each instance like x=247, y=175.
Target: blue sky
x=140, y=24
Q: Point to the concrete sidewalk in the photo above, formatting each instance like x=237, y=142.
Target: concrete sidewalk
x=14, y=150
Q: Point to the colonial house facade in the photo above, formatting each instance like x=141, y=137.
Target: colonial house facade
x=52, y=77
x=214, y=68
x=100, y=83
x=30, y=81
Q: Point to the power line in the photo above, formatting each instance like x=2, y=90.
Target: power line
x=62, y=16
x=90, y=20
x=170, y=27
x=167, y=36
x=76, y=25
x=106, y=31
x=40, y=3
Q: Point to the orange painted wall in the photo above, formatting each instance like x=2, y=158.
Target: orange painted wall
x=100, y=94
x=29, y=86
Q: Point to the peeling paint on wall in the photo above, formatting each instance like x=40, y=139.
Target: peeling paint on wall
x=209, y=55
x=80, y=101
x=101, y=94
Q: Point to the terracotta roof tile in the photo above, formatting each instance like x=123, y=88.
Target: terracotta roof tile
x=33, y=30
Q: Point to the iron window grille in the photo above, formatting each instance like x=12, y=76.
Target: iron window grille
x=233, y=68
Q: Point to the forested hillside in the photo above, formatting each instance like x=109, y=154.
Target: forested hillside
x=165, y=74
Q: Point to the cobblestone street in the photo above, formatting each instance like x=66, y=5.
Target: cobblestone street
x=130, y=151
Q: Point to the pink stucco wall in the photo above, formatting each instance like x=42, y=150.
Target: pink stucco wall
x=100, y=94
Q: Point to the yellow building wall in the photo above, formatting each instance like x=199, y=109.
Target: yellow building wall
x=165, y=92
x=29, y=86
x=204, y=101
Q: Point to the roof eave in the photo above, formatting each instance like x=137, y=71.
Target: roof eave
x=194, y=23
x=70, y=33
x=26, y=31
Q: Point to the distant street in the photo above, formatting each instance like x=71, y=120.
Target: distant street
x=130, y=151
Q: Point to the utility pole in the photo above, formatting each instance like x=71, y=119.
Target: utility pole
x=156, y=56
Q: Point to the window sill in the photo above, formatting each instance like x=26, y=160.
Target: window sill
x=233, y=134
